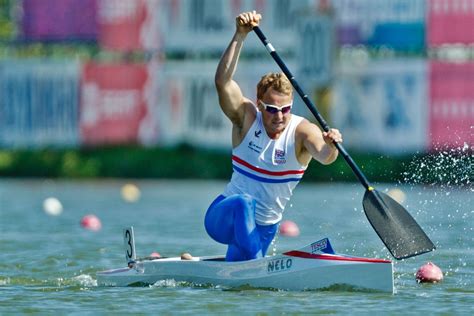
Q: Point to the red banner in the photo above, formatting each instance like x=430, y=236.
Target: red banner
x=451, y=104
x=450, y=22
x=112, y=103
x=127, y=25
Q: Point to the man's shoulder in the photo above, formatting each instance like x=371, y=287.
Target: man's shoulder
x=249, y=106
x=305, y=129
x=303, y=124
x=249, y=116
x=250, y=111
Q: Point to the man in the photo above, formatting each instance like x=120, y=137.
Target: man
x=271, y=150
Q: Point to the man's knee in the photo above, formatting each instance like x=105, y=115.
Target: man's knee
x=245, y=202
x=220, y=220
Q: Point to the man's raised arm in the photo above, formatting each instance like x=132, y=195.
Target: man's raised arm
x=230, y=95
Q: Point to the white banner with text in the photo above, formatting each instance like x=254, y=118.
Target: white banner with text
x=381, y=106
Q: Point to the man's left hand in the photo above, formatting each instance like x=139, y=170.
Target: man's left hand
x=332, y=136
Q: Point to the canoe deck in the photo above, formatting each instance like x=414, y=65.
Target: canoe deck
x=294, y=270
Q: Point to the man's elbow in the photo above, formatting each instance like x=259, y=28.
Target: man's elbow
x=327, y=162
x=330, y=159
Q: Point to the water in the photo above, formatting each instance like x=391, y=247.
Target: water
x=49, y=262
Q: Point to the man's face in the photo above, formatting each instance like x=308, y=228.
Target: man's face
x=277, y=114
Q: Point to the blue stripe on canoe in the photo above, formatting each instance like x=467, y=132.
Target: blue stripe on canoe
x=261, y=179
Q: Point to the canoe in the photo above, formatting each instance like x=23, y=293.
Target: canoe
x=315, y=266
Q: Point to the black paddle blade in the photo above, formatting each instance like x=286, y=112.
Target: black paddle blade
x=400, y=233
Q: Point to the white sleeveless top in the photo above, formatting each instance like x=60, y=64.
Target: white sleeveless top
x=267, y=169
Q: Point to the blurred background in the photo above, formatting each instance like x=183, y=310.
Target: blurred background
x=109, y=104
x=125, y=87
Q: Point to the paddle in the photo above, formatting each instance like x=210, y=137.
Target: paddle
x=400, y=233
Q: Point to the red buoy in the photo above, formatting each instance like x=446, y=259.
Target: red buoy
x=91, y=222
x=429, y=273
x=289, y=229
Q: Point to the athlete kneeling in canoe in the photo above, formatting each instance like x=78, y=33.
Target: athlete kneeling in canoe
x=271, y=150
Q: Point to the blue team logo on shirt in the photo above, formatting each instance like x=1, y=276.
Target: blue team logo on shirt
x=279, y=156
x=254, y=147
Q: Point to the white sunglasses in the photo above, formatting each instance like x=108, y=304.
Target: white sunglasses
x=272, y=108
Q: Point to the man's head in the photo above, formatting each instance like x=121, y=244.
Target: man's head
x=275, y=80
x=274, y=100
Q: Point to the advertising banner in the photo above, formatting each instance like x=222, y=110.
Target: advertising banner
x=208, y=25
x=381, y=106
x=59, y=20
x=450, y=22
x=399, y=24
x=127, y=25
x=316, y=49
x=451, y=105
x=188, y=108
x=113, y=103
x=39, y=103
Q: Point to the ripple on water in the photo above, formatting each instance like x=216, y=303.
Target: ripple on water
x=53, y=270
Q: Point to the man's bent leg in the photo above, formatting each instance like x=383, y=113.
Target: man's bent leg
x=234, y=253
x=267, y=233
x=247, y=237
x=219, y=221
x=231, y=221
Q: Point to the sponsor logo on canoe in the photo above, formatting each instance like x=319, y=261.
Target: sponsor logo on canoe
x=279, y=265
x=319, y=245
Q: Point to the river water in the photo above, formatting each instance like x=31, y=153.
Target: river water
x=49, y=262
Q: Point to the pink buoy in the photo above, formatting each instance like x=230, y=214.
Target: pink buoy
x=289, y=229
x=155, y=254
x=91, y=222
x=429, y=273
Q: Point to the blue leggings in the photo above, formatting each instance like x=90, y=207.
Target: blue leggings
x=231, y=221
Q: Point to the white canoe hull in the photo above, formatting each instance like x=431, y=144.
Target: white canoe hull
x=294, y=270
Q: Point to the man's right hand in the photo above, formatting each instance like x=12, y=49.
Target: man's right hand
x=246, y=21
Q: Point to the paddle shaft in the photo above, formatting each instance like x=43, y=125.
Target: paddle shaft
x=401, y=234
x=311, y=106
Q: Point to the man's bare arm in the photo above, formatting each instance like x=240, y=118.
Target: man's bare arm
x=229, y=92
x=316, y=144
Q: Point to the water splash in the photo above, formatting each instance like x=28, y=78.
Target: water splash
x=273, y=246
x=54, y=283
x=168, y=283
x=4, y=281
x=444, y=205
x=85, y=280
x=446, y=167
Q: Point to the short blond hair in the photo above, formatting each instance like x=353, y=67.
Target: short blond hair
x=275, y=80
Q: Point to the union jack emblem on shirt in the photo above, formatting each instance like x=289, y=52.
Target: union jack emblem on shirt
x=280, y=156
